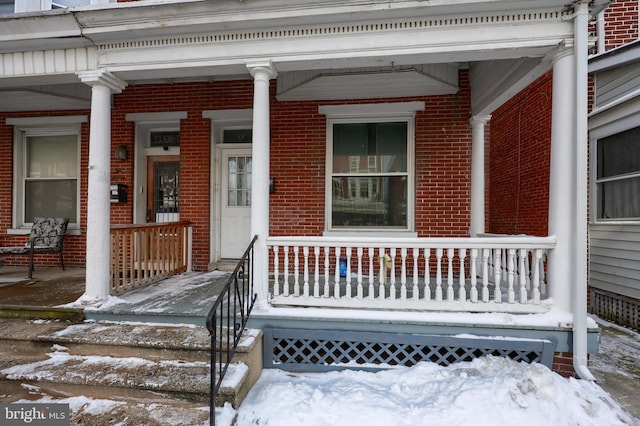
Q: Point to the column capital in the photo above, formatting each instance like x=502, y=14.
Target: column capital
x=262, y=67
x=479, y=119
x=563, y=50
x=104, y=78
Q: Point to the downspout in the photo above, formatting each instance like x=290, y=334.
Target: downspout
x=580, y=357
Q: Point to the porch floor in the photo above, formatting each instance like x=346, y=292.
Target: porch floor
x=185, y=298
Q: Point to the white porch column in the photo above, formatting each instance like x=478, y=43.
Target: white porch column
x=103, y=84
x=477, y=174
x=261, y=73
x=562, y=208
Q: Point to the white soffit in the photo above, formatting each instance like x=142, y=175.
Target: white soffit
x=365, y=84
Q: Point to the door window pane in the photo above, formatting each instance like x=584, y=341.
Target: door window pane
x=239, y=181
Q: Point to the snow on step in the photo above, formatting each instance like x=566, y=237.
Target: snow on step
x=126, y=372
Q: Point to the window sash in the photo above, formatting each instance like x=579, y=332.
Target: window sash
x=369, y=180
x=50, y=185
x=618, y=176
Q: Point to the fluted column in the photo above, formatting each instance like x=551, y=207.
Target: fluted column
x=261, y=73
x=98, y=260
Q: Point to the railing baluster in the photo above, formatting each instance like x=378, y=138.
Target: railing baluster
x=462, y=292
x=474, y=275
x=276, y=261
x=403, y=273
x=336, y=285
x=296, y=271
x=348, y=276
x=360, y=290
x=285, y=291
x=381, y=292
x=439, y=252
x=316, y=272
x=511, y=294
x=543, y=277
x=497, y=293
x=415, y=291
x=523, y=276
x=392, y=274
x=485, y=275
x=372, y=293
x=536, y=277
x=327, y=277
x=427, y=274
x=450, y=255
x=305, y=285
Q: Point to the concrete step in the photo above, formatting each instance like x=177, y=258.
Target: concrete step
x=171, y=360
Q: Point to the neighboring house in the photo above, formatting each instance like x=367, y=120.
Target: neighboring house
x=614, y=125
x=350, y=137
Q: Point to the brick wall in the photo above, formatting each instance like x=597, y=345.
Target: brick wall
x=519, y=162
x=443, y=149
x=442, y=157
x=621, y=23
x=563, y=364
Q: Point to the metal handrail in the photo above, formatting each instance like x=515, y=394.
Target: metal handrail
x=227, y=319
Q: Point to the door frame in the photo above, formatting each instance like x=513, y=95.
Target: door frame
x=221, y=120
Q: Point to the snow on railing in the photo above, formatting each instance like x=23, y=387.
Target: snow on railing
x=501, y=273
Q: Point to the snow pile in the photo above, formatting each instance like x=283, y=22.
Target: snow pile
x=488, y=391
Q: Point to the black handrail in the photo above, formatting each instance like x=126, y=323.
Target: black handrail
x=227, y=319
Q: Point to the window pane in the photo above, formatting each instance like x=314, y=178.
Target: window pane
x=619, y=199
x=239, y=181
x=619, y=154
x=370, y=147
x=236, y=136
x=52, y=156
x=51, y=198
x=369, y=201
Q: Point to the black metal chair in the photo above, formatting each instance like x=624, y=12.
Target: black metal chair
x=47, y=235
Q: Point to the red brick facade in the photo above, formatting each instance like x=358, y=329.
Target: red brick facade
x=621, y=23
x=298, y=156
x=519, y=162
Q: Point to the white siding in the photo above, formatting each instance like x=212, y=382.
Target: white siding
x=616, y=83
x=614, y=259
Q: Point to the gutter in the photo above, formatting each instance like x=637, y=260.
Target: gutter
x=581, y=46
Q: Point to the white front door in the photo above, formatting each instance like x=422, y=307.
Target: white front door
x=235, y=202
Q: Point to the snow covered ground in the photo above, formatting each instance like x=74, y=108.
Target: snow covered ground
x=488, y=391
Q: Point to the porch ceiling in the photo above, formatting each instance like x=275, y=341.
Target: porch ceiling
x=35, y=98
x=432, y=80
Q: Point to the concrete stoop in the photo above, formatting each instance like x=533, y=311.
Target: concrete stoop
x=154, y=369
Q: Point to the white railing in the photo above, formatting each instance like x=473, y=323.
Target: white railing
x=488, y=274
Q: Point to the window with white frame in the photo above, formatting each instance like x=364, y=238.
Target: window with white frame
x=618, y=176
x=370, y=174
x=46, y=174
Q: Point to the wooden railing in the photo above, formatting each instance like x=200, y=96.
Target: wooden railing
x=492, y=274
x=147, y=253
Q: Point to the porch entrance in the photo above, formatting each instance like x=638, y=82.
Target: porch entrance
x=235, y=202
x=163, y=180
